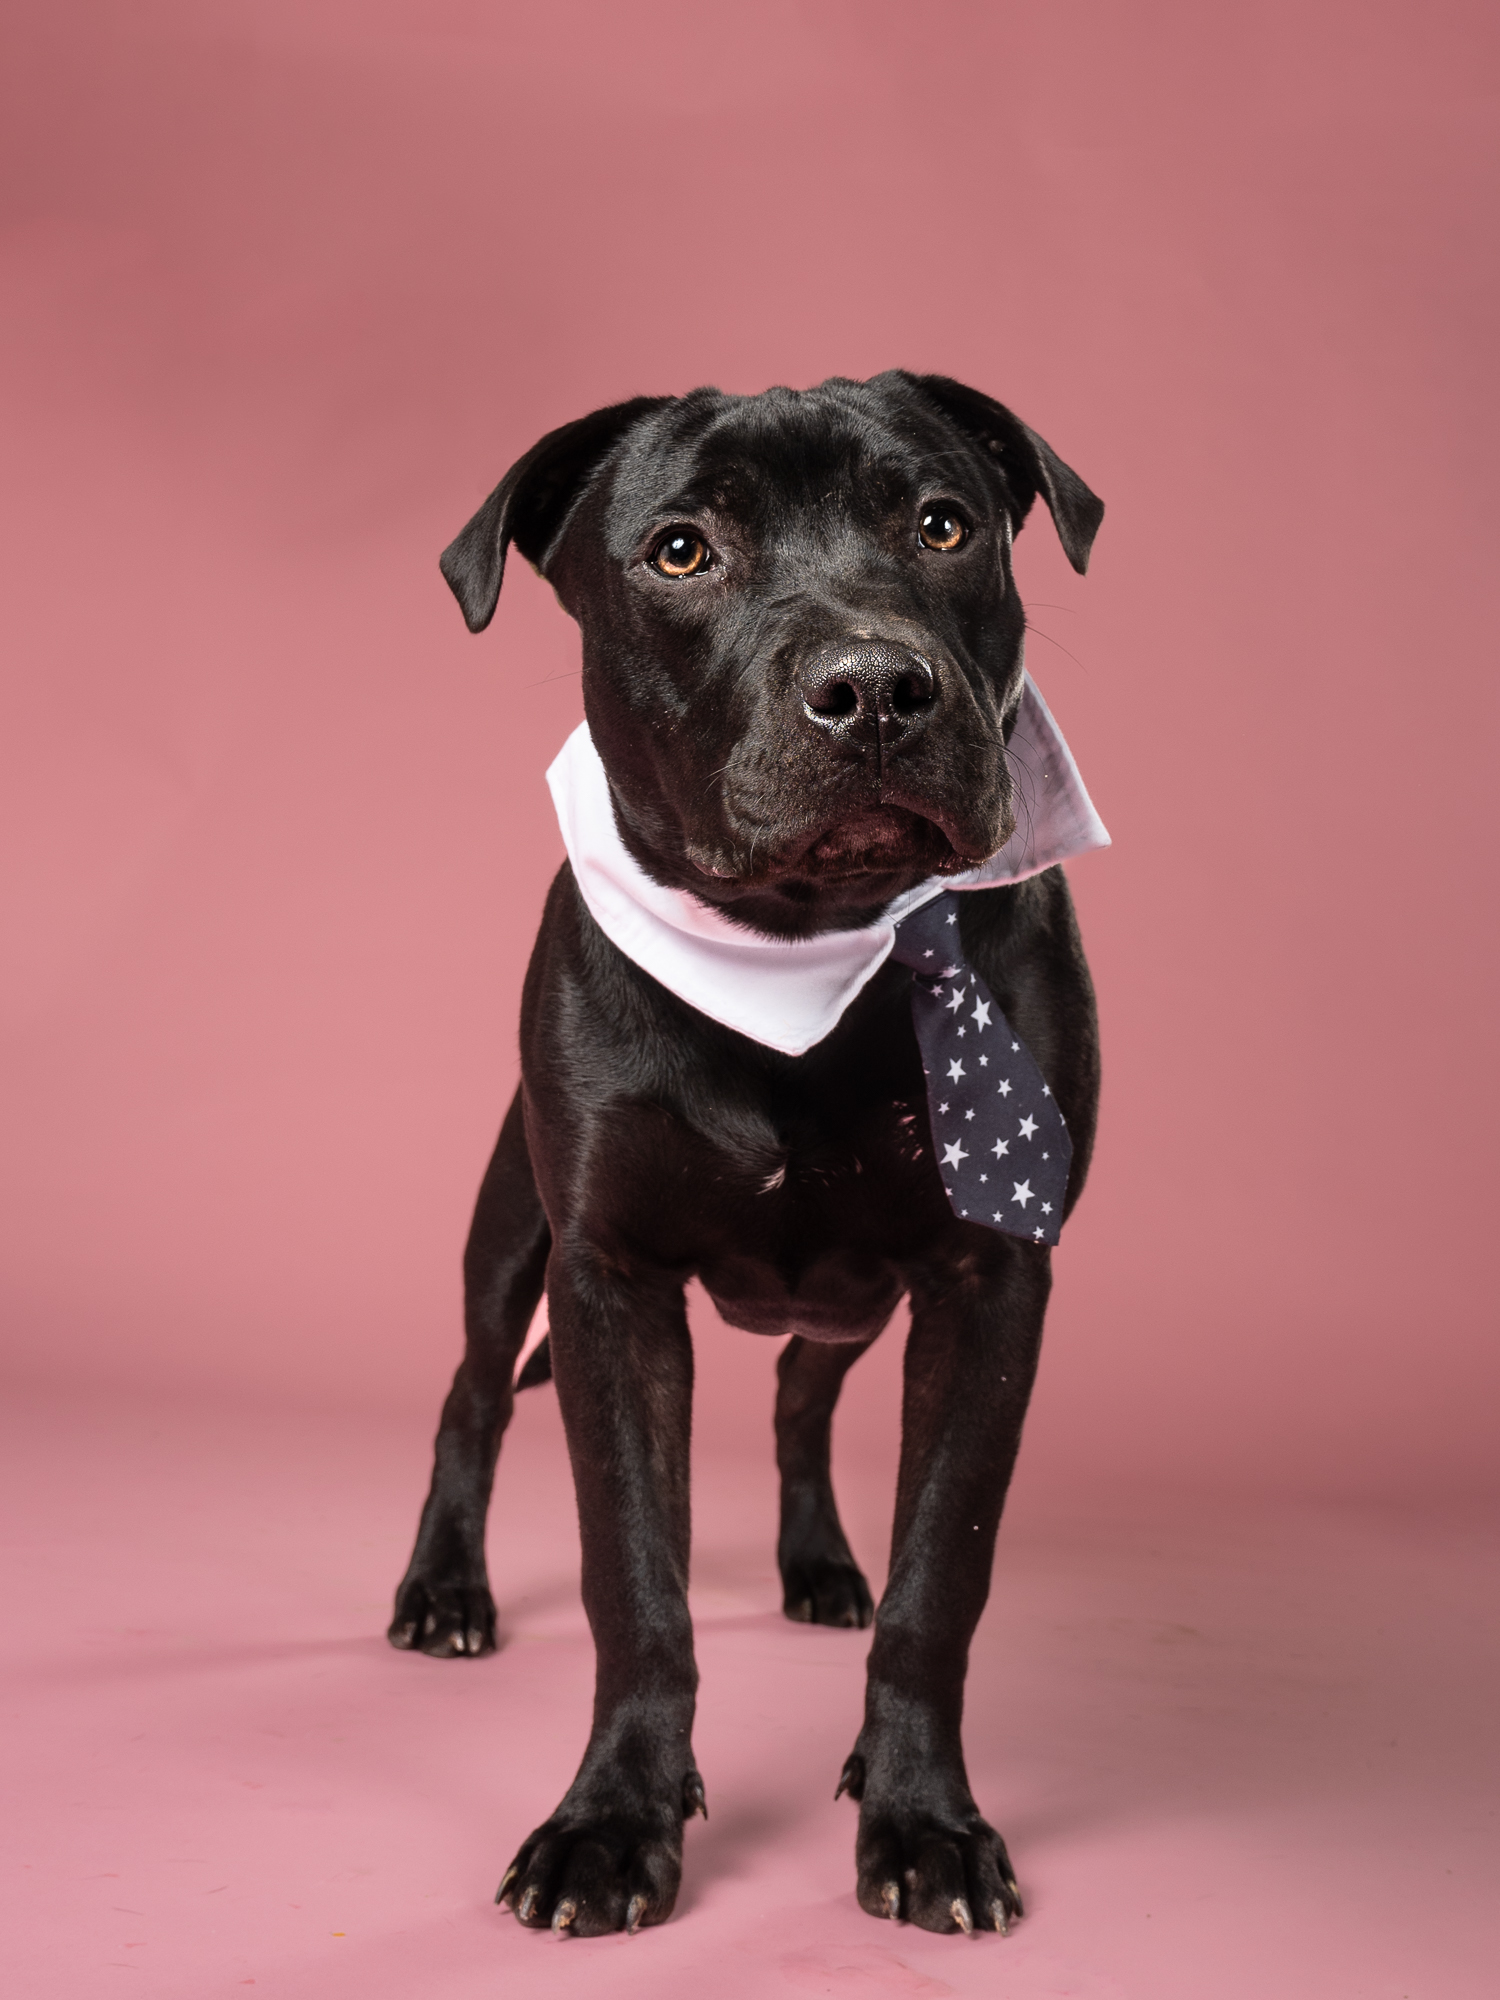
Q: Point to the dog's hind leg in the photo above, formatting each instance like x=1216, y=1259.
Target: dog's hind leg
x=821, y=1582
x=443, y=1604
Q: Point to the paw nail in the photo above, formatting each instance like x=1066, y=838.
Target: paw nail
x=852, y=1778
x=634, y=1914
x=890, y=1902
x=429, y=1625
x=563, y=1915
x=999, y=1919
x=476, y=1641
x=505, y=1881
x=527, y=1905
x=694, y=1799
x=958, y=1909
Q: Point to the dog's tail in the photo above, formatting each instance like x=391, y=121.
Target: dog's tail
x=537, y=1367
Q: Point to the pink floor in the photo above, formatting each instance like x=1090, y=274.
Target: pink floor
x=1236, y=1752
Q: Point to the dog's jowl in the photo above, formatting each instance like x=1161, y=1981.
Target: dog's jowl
x=808, y=1019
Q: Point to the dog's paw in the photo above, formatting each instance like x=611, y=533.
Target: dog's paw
x=448, y=1620
x=822, y=1591
x=939, y=1877
x=584, y=1875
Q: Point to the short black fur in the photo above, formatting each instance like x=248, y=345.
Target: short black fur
x=813, y=723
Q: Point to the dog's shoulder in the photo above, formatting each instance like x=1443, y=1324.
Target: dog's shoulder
x=578, y=978
x=1018, y=932
x=587, y=1002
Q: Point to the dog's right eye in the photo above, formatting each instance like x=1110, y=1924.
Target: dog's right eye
x=680, y=552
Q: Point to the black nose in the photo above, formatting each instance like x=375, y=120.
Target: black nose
x=866, y=688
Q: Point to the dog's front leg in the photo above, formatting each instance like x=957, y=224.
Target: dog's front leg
x=610, y=1857
x=924, y=1852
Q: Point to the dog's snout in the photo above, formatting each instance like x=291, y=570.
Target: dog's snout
x=866, y=687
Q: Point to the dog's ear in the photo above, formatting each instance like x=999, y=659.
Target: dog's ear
x=1029, y=463
x=530, y=505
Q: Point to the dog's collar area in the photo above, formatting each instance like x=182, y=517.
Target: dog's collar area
x=789, y=993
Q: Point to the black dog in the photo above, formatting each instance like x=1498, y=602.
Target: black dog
x=802, y=653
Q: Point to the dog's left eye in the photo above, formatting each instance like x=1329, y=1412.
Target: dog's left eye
x=943, y=529
x=680, y=552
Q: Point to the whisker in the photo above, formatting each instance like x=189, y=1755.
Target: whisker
x=1058, y=643
x=547, y=679
x=1024, y=797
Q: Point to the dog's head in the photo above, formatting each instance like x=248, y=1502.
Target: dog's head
x=801, y=636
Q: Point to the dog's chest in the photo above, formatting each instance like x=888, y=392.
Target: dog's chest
x=798, y=1212
x=817, y=1246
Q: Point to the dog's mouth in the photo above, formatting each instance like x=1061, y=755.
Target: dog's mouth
x=878, y=846
x=847, y=860
x=844, y=871
x=883, y=840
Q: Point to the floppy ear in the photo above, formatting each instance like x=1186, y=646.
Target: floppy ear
x=530, y=505
x=1029, y=463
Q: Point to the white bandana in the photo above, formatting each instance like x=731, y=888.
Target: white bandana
x=790, y=993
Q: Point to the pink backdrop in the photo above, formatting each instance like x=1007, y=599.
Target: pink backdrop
x=286, y=286
x=291, y=284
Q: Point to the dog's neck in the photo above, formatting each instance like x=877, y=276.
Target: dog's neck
x=790, y=993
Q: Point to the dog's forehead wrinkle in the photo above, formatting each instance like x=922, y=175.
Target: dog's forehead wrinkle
x=804, y=437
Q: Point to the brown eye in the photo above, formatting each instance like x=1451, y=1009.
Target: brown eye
x=681, y=553
x=942, y=529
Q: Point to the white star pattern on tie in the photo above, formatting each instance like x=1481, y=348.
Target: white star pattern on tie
x=946, y=1003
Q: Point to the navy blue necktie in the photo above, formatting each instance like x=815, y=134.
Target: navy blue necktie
x=1003, y=1149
